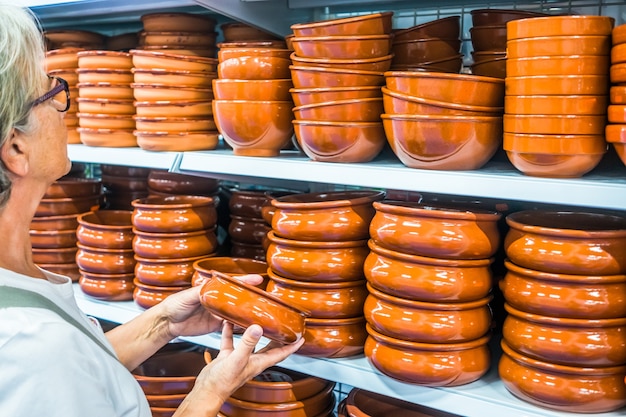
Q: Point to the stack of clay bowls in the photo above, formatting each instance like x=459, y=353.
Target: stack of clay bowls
x=242, y=32
x=432, y=46
x=616, y=128
x=429, y=281
x=104, y=118
x=564, y=339
x=337, y=71
x=53, y=229
x=170, y=232
x=488, y=37
x=123, y=184
x=253, y=85
x=317, y=247
x=556, y=93
x=247, y=228
x=105, y=255
x=436, y=120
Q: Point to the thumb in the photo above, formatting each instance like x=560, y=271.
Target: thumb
x=249, y=340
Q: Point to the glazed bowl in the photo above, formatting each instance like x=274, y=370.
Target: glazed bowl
x=564, y=295
x=488, y=38
x=247, y=230
x=452, y=64
x=399, y=103
x=267, y=89
x=105, y=106
x=566, y=25
x=163, y=92
x=567, y=242
x=238, y=31
x=106, y=229
x=557, y=104
x=107, y=286
x=193, y=79
x=180, y=39
x=484, y=17
x=282, y=322
x=180, y=213
x=146, y=296
x=105, y=260
x=554, y=124
x=239, y=50
x=231, y=266
x=62, y=222
x=106, y=121
x=325, y=216
x=323, y=300
x=311, y=77
x=495, y=67
x=304, y=96
x=69, y=270
x=177, y=109
x=254, y=68
x=108, y=138
x=53, y=238
x=247, y=250
x=557, y=85
x=112, y=75
x=333, y=338
x=178, y=140
x=436, y=230
x=173, y=125
x=415, y=51
x=54, y=255
x=352, y=110
x=428, y=364
x=367, y=24
x=105, y=90
x=68, y=187
x=144, y=59
x=448, y=142
x=429, y=279
x=166, y=272
x=68, y=205
x=378, y=64
x=444, y=28
x=560, y=387
x=247, y=202
x=557, y=65
x=553, y=165
x=268, y=129
x=176, y=183
x=338, y=141
x=177, y=22
x=361, y=403
x=124, y=171
x=174, y=244
x=596, y=45
x=62, y=58
x=473, y=90
x=566, y=341
x=167, y=401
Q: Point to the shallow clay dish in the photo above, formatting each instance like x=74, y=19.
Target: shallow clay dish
x=168, y=401
x=183, y=213
x=177, y=141
x=174, y=244
x=311, y=77
x=443, y=28
x=555, y=144
x=104, y=59
x=173, y=78
x=342, y=46
x=557, y=84
x=238, y=50
x=367, y=24
x=201, y=109
x=557, y=65
x=105, y=90
x=106, y=121
x=53, y=238
x=361, y=403
x=304, y=96
x=106, y=229
x=424, y=50
x=553, y=165
x=105, y=106
x=157, y=92
x=559, y=46
x=153, y=59
x=488, y=38
x=231, y=266
x=96, y=75
x=121, y=138
x=62, y=222
x=556, y=124
x=68, y=187
x=490, y=68
x=570, y=25
x=166, y=272
x=557, y=104
x=379, y=64
x=238, y=31
x=181, y=39
x=58, y=59
x=254, y=68
x=333, y=338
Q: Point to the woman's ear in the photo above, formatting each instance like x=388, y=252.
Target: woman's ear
x=13, y=153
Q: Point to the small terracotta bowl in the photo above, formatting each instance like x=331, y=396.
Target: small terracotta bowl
x=560, y=387
x=490, y=68
x=379, y=64
x=194, y=79
x=557, y=85
x=567, y=25
x=554, y=124
x=616, y=135
x=265, y=89
x=311, y=77
x=240, y=50
x=143, y=59
x=105, y=260
x=304, y=96
x=444, y=28
x=201, y=109
x=551, y=165
x=325, y=216
x=281, y=321
x=111, y=75
x=183, y=213
x=165, y=401
x=181, y=39
x=63, y=222
x=124, y=171
x=557, y=104
x=174, y=125
x=484, y=17
x=114, y=183
x=559, y=46
x=162, y=92
x=69, y=270
x=361, y=403
x=106, y=121
x=247, y=230
x=232, y=266
x=247, y=202
x=62, y=58
x=146, y=296
x=238, y=31
x=166, y=272
x=424, y=50
x=452, y=64
x=430, y=279
x=177, y=22
x=174, y=244
x=111, y=138
x=352, y=110
x=105, y=106
x=591, y=297
x=105, y=286
x=367, y=24
x=206, y=51
x=567, y=242
x=106, y=229
x=557, y=65
x=333, y=338
x=105, y=90
x=246, y=250
x=53, y=238
x=176, y=183
x=73, y=187
x=428, y=364
x=177, y=141
x=68, y=205
x=488, y=38
x=254, y=68
x=55, y=255
x=399, y=103
x=554, y=144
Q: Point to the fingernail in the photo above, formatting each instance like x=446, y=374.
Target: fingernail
x=256, y=330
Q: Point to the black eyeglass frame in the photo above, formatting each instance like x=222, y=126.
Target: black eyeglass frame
x=61, y=86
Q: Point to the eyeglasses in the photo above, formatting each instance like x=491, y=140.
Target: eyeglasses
x=59, y=93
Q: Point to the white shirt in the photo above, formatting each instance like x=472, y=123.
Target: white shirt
x=49, y=368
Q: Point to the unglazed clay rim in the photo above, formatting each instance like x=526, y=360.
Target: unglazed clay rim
x=380, y=250
x=414, y=209
x=433, y=347
x=565, y=321
x=344, y=199
x=536, y=275
x=315, y=244
x=514, y=221
x=428, y=305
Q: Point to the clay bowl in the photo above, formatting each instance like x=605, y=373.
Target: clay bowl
x=557, y=104
x=325, y=216
x=247, y=230
x=268, y=130
x=618, y=54
x=69, y=270
x=231, y=266
x=113, y=183
x=181, y=39
x=105, y=90
x=105, y=106
x=53, y=238
x=238, y=31
x=183, y=213
x=205, y=51
x=124, y=171
x=67, y=187
x=452, y=64
x=554, y=124
x=246, y=250
x=560, y=387
x=63, y=58
x=108, y=138
x=304, y=96
x=201, y=109
x=316, y=261
x=591, y=297
x=163, y=92
x=105, y=260
x=68, y=205
x=337, y=141
x=367, y=24
x=166, y=272
x=281, y=321
x=174, y=244
x=436, y=230
x=449, y=142
x=568, y=25
x=173, y=22
x=143, y=59
x=333, y=338
x=428, y=364
x=557, y=65
x=162, y=124
x=68, y=74
x=566, y=341
x=488, y=38
x=190, y=79
x=177, y=183
x=486, y=17
x=352, y=110
x=567, y=242
x=277, y=385
x=555, y=146
x=146, y=296
x=424, y=50
x=615, y=135
x=430, y=279
x=599, y=45
x=106, y=121
x=490, y=68
x=105, y=229
x=122, y=42
x=443, y=28
x=247, y=202
x=269, y=89
x=616, y=113
x=323, y=300
x=165, y=401
x=553, y=165
x=473, y=90
x=254, y=68
x=557, y=84
x=96, y=75
x=63, y=222
x=361, y=403
x=162, y=411
x=378, y=64
x=107, y=286
x=240, y=50
x=267, y=210
x=178, y=141
x=398, y=103
x=55, y=255
x=311, y=77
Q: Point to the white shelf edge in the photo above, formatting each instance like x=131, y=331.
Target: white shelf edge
x=122, y=156
x=486, y=397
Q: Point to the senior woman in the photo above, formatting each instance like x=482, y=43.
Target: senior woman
x=55, y=361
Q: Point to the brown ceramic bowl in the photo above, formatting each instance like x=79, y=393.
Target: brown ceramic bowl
x=162, y=92
x=239, y=50
x=567, y=25
x=483, y=17
x=73, y=187
x=105, y=106
x=247, y=230
x=247, y=202
x=567, y=242
x=424, y=50
x=557, y=104
x=555, y=144
x=201, y=109
x=171, y=401
x=63, y=222
x=361, y=403
x=146, y=296
x=68, y=205
x=268, y=130
x=430, y=279
x=560, y=387
x=378, y=64
x=114, y=183
x=206, y=51
x=56, y=255
x=105, y=90
x=124, y=171
x=109, y=138
x=268, y=89
x=53, y=238
x=554, y=124
x=144, y=59
x=352, y=110
x=473, y=90
x=367, y=24
x=181, y=39
x=333, y=338
x=554, y=165
x=173, y=22
x=96, y=75
x=325, y=216
x=106, y=121
x=178, y=141
x=481, y=56
x=267, y=210
x=618, y=54
x=557, y=84
x=452, y=64
x=105, y=286
x=447, y=142
x=106, y=229
x=166, y=272
x=105, y=260
x=398, y=103
x=323, y=300
x=338, y=141
x=62, y=58
x=193, y=79
x=428, y=364
x=282, y=322
x=173, y=125
x=177, y=183
x=304, y=96
x=231, y=266
x=254, y=68
x=557, y=65
x=443, y=28
x=616, y=135
x=566, y=341
x=311, y=77
x=427, y=321
x=69, y=270
x=616, y=113
x=591, y=297
x=174, y=244
x=619, y=34
x=183, y=213
x=488, y=38
x=238, y=31
x=599, y=45
x=490, y=68
x=246, y=250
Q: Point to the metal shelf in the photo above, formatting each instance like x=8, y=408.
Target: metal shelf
x=123, y=156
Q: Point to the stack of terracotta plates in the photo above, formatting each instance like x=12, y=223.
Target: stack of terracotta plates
x=123, y=184
x=616, y=129
x=556, y=92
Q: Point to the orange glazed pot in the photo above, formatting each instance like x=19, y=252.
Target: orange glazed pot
x=106, y=229
x=333, y=338
x=184, y=213
x=73, y=187
x=368, y=24
x=146, y=296
x=109, y=287
x=175, y=245
x=104, y=260
x=231, y=266
x=166, y=272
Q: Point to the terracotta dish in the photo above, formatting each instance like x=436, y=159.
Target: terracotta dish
x=105, y=229
x=557, y=65
x=482, y=17
x=105, y=286
x=177, y=183
x=166, y=272
x=231, y=266
x=174, y=213
x=67, y=187
x=367, y=24
x=378, y=64
x=146, y=296
x=333, y=338
x=174, y=244
x=444, y=28
x=265, y=89
x=311, y=77
x=567, y=25
x=177, y=22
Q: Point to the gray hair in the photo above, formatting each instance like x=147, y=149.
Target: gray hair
x=22, y=69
